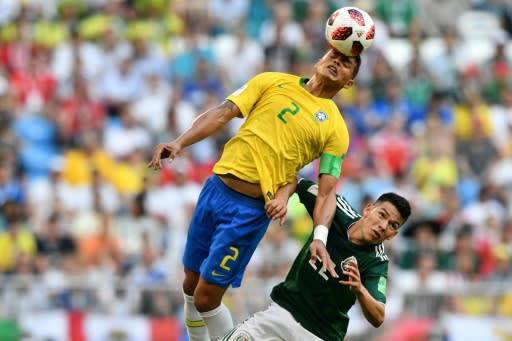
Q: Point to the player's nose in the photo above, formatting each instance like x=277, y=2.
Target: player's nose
x=382, y=225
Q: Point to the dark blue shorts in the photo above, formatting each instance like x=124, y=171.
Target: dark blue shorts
x=224, y=231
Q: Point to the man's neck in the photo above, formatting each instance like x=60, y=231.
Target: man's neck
x=355, y=235
x=319, y=89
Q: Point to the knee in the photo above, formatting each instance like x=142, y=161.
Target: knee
x=190, y=282
x=206, y=302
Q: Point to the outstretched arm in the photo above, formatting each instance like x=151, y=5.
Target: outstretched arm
x=325, y=207
x=203, y=126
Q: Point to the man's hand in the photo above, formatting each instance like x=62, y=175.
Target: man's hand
x=164, y=151
x=354, y=278
x=277, y=208
x=319, y=251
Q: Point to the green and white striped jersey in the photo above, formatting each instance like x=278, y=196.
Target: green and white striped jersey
x=315, y=299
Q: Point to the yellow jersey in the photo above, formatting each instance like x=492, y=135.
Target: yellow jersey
x=285, y=128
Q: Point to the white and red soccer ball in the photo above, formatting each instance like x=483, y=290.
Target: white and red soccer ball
x=350, y=30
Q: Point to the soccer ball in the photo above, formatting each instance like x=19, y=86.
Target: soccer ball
x=350, y=30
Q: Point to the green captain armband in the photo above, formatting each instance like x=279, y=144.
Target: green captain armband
x=330, y=164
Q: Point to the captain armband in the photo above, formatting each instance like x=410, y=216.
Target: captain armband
x=331, y=164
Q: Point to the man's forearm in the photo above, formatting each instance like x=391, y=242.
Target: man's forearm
x=208, y=123
x=325, y=206
x=288, y=189
x=373, y=310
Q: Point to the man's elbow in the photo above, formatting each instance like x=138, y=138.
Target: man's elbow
x=377, y=321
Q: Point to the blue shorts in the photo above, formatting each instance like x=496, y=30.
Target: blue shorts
x=224, y=232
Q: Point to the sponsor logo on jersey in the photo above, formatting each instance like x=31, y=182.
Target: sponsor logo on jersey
x=321, y=116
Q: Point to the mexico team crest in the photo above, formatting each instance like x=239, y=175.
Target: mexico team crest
x=321, y=116
x=346, y=261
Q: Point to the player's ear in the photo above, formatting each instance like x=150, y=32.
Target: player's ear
x=348, y=84
x=367, y=209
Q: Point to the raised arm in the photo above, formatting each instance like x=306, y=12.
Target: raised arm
x=325, y=207
x=203, y=126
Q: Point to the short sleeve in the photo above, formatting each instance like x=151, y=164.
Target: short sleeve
x=336, y=146
x=248, y=94
x=307, y=191
x=375, y=281
x=338, y=141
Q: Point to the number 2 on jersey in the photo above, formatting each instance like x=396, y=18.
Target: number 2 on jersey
x=283, y=112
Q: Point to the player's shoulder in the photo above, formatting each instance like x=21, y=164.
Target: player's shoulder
x=274, y=76
x=346, y=208
x=378, y=255
x=310, y=186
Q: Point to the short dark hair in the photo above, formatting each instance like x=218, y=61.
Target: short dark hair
x=402, y=205
x=357, y=60
x=356, y=68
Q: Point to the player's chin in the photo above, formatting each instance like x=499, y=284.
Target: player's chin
x=333, y=81
x=376, y=239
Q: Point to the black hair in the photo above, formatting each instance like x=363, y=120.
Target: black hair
x=356, y=58
x=358, y=65
x=401, y=204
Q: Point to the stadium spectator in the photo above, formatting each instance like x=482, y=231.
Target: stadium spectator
x=17, y=238
x=52, y=243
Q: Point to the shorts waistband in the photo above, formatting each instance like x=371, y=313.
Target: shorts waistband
x=240, y=197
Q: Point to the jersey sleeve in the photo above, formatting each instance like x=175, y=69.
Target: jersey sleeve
x=331, y=158
x=307, y=191
x=375, y=281
x=248, y=94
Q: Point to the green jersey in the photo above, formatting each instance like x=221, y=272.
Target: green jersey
x=315, y=299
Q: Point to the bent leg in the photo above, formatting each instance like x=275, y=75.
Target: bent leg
x=196, y=327
x=208, y=300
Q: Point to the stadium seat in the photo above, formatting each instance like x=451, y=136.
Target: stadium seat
x=478, y=25
x=398, y=52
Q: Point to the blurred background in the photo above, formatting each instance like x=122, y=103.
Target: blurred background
x=91, y=239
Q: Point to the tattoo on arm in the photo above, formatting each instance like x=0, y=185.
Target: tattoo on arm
x=230, y=108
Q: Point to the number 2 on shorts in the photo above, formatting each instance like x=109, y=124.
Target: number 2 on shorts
x=227, y=258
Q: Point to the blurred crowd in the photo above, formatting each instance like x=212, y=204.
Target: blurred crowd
x=88, y=87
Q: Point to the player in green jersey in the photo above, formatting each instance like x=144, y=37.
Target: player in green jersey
x=312, y=305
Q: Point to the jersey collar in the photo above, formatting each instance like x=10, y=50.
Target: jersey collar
x=303, y=81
